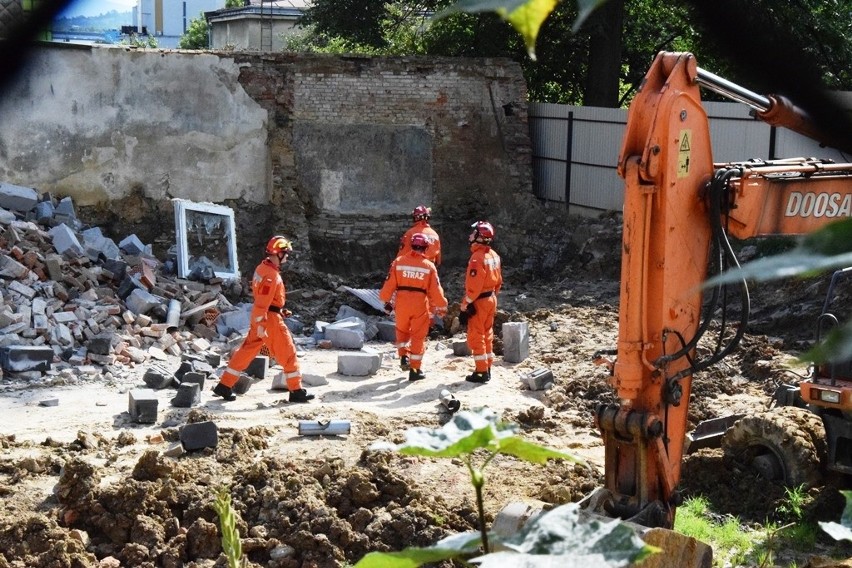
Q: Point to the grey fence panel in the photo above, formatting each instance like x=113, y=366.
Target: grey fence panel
x=735, y=135
x=575, y=149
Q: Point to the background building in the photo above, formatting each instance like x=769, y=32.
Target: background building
x=258, y=26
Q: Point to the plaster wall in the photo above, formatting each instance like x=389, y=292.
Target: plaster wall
x=98, y=123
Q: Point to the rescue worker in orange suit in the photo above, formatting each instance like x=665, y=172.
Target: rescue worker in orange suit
x=421, y=216
x=414, y=280
x=267, y=327
x=482, y=283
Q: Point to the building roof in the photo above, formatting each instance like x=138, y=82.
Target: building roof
x=283, y=9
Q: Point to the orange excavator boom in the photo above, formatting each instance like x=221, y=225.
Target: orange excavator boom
x=679, y=208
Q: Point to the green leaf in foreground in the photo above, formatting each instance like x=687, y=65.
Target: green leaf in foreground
x=843, y=529
x=526, y=16
x=825, y=249
x=469, y=431
x=452, y=546
x=835, y=347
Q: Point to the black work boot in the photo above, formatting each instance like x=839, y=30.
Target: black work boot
x=225, y=392
x=416, y=375
x=403, y=363
x=300, y=395
x=478, y=377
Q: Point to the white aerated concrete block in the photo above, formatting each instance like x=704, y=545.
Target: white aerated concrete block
x=359, y=364
x=345, y=335
x=516, y=341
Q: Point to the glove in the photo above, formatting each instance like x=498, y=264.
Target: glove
x=286, y=313
x=463, y=318
x=261, y=328
x=470, y=310
x=440, y=312
x=388, y=308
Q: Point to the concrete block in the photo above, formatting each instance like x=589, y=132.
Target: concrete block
x=309, y=380
x=11, y=268
x=243, y=384
x=387, y=330
x=516, y=341
x=17, y=198
x=65, y=208
x=19, y=358
x=65, y=241
x=132, y=245
x=359, y=364
x=100, y=344
x=461, y=349
x=188, y=395
x=203, y=367
x=193, y=377
x=157, y=377
x=183, y=368
x=348, y=323
x=213, y=359
x=44, y=212
x=7, y=217
x=143, y=406
x=346, y=312
x=175, y=450
x=295, y=326
x=258, y=367
x=141, y=301
x=539, y=379
x=199, y=435
x=347, y=335
x=235, y=321
x=118, y=268
x=94, y=240
x=22, y=289
x=127, y=286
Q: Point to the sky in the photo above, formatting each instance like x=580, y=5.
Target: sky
x=96, y=7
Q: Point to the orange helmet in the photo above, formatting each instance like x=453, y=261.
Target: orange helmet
x=278, y=244
x=421, y=213
x=483, y=232
x=419, y=241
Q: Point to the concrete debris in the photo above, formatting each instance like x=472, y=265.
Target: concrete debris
x=70, y=297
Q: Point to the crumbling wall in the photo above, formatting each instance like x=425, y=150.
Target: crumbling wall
x=331, y=151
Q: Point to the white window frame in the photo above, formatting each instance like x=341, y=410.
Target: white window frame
x=182, y=206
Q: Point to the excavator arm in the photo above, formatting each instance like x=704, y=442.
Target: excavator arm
x=679, y=208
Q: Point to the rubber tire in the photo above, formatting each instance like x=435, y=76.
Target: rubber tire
x=779, y=434
x=813, y=425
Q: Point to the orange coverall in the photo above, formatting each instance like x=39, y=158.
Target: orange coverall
x=481, y=285
x=415, y=281
x=433, y=251
x=269, y=296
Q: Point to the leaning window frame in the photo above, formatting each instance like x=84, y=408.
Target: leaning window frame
x=182, y=206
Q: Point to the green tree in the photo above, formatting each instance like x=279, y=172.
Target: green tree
x=235, y=3
x=196, y=35
x=587, y=56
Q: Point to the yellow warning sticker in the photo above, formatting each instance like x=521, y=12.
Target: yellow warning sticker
x=683, y=152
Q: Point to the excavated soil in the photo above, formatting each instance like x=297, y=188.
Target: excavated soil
x=82, y=485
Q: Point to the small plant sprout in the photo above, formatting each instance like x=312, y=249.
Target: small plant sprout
x=231, y=545
x=559, y=537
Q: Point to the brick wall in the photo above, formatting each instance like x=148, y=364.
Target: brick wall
x=356, y=143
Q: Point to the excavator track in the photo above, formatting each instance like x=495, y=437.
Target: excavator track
x=778, y=445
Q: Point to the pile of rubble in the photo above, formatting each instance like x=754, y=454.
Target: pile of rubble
x=74, y=299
